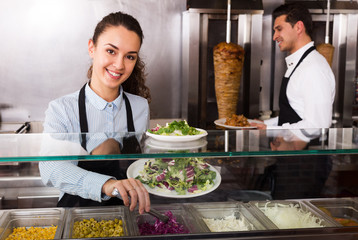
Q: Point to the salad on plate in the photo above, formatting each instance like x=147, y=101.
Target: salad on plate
x=175, y=128
x=183, y=175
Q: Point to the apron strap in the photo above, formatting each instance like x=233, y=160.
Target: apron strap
x=130, y=124
x=287, y=113
x=303, y=57
x=83, y=116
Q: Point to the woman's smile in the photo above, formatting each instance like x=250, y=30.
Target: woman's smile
x=113, y=74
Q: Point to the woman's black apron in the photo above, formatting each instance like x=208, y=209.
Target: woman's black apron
x=107, y=167
x=287, y=113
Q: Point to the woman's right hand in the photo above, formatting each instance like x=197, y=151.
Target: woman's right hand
x=129, y=187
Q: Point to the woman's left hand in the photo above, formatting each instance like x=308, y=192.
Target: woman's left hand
x=129, y=187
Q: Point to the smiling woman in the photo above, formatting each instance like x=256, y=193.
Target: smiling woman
x=104, y=105
x=114, y=56
x=114, y=49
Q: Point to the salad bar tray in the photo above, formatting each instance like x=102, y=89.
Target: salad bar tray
x=342, y=210
x=206, y=220
x=291, y=214
x=82, y=222
x=227, y=217
x=180, y=221
x=24, y=223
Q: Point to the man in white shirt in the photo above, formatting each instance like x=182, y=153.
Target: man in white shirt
x=306, y=99
x=308, y=87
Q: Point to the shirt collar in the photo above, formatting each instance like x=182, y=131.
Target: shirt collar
x=99, y=102
x=293, y=59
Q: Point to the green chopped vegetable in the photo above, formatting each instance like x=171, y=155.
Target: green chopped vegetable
x=175, y=128
x=182, y=175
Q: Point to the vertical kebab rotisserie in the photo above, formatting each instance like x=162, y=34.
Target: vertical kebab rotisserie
x=228, y=64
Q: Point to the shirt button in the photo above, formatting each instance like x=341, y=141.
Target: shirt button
x=110, y=105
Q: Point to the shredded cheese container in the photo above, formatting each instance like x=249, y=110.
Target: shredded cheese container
x=226, y=217
x=291, y=214
x=45, y=222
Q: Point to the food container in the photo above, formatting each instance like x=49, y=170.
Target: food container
x=2, y=214
x=179, y=211
x=342, y=210
x=303, y=217
x=223, y=213
x=39, y=217
x=98, y=214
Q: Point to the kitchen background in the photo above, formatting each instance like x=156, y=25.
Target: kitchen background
x=44, y=53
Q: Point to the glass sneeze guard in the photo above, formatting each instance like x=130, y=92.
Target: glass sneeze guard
x=220, y=143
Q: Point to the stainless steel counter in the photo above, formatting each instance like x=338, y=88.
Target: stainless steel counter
x=21, y=187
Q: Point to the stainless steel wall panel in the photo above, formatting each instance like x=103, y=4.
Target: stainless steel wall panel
x=191, y=36
x=267, y=70
x=279, y=72
x=344, y=65
x=256, y=59
x=339, y=42
x=203, y=76
x=351, y=69
x=44, y=50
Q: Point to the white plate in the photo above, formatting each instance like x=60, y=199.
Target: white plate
x=221, y=122
x=134, y=169
x=184, y=138
x=155, y=144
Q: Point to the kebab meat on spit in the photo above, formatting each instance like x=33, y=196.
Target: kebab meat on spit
x=228, y=65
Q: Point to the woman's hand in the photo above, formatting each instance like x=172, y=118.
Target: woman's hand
x=129, y=187
x=110, y=146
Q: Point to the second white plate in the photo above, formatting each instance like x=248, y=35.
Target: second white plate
x=221, y=122
x=155, y=144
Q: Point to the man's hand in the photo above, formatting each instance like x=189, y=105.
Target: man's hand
x=279, y=144
x=260, y=126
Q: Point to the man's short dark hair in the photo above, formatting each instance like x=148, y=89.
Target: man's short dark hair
x=295, y=12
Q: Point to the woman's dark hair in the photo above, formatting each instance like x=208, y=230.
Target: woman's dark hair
x=135, y=84
x=295, y=12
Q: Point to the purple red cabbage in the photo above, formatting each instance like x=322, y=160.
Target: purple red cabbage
x=161, y=176
x=190, y=171
x=203, y=166
x=166, y=184
x=193, y=188
x=160, y=228
x=155, y=129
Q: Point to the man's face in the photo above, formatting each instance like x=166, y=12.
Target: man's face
x=285, y=34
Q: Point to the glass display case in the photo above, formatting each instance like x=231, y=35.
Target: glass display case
x=313, y=171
